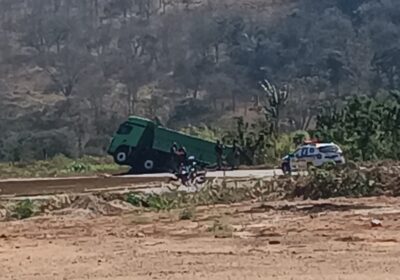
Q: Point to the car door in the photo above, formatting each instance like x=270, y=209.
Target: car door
x=304, y=158
x=312, y=155
x=297, y=159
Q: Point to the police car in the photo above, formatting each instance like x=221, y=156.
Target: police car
x=312, y=153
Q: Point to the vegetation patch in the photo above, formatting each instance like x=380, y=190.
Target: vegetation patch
x=23, y=209
x=323, y=183
x=351, y=181
x=59, y=166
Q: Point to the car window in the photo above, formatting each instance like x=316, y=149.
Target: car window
x=328, y=149
x=124, y=129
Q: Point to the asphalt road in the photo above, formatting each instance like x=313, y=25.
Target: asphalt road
x=45, y=186
x=214, y=174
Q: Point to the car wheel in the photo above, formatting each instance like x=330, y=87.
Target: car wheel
x=285, y=168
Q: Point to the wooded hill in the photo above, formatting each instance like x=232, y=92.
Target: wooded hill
x=72, y=70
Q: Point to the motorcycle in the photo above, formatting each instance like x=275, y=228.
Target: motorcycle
x=190, y=174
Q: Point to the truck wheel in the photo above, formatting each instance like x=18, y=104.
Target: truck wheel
x=148, y=165
x=121, y=155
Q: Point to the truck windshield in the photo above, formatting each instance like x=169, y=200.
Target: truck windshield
x=124, y=129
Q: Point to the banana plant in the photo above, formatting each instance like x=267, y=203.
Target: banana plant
x=274, y=101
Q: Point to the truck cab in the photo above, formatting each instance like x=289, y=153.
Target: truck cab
x=130, y=136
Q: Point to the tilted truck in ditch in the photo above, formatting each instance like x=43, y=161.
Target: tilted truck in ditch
x=146, y=146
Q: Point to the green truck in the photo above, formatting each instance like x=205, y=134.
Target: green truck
x=146, y=146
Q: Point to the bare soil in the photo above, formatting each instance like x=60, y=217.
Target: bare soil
x=49, y=186
x=331, y=239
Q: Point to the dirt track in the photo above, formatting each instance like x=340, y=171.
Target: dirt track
x=44, y=186
x=66, y=185
x=299, y=240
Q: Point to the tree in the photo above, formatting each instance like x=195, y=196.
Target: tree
x=387, y=67
x=338, y=71
x=67, y=68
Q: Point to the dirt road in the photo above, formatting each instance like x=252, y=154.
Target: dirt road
x=298, y=240
x=43, y=186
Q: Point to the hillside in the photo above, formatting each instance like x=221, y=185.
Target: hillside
x=72, y=70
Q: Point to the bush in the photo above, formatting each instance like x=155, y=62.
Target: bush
x=134, y=199
x=23, y=209
x=204, y=132
x=161, y=202
x=333, y=182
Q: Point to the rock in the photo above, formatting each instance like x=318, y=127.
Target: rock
x=140, y=235
x=376, y=223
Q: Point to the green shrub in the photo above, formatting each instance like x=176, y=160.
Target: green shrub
x=161, y=202
x=333, y=182
x=134, y=199
x=78, y=167
x=203, y=131
x=24, y=209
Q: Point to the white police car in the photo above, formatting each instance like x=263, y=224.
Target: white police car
x=312, y=154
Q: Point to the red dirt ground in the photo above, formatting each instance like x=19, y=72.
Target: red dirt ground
x=331, y=239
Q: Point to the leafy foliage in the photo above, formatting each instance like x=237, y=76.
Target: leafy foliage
x=274, y=101
x=331, y=182
x=78, y=167
x=204, y=132
x=24, y=209
x=367, y=128
x=134, y=199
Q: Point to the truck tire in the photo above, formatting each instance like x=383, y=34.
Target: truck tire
x=148, y=165
x=121, y=155
x=150, y=162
